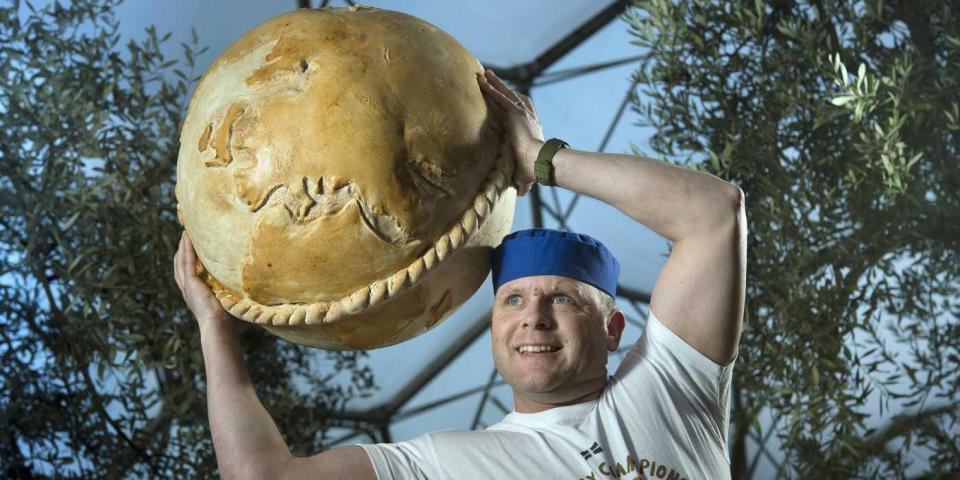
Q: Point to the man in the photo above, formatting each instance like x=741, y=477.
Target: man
x=664, y=413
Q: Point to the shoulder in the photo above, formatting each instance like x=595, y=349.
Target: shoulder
x=660, y=347
x=662, y=368
x=662, y=365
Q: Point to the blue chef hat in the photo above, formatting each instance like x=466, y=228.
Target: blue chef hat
x=541, y=251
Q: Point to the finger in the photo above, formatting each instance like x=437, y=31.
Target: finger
x=182, y=249
x=176, y=273
x=190, y=252
x=496, y=127
x=517, y=99
x=498, y=84
x=192, y=259
x=506, y=105
x=499, y=96
x=496, y=112
x=488, y=95
x=516, y=104
x=527, y=102
x=187, y=259
x=176, y=262
x=497, y=117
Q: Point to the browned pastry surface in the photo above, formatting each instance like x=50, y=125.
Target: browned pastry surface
x=328, y=160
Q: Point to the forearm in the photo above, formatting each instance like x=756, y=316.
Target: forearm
x=245, y=438
x=699, y=292
x=675, y=202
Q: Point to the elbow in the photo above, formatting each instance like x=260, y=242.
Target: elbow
x=727, y=217
x=721, y=211
x=740, y=205
x=730, y=209
x=736, y=200
x=740, y=221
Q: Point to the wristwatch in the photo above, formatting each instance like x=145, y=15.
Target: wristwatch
x=543, y=167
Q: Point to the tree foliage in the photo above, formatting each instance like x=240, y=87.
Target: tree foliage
x=101, y=372
x=841, y=122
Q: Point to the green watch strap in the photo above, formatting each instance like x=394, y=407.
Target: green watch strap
x=543, y=167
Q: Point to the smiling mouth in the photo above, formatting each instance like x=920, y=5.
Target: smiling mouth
x=537, y=349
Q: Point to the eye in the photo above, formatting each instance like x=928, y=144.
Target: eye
x=514, y=300
x=562, y=299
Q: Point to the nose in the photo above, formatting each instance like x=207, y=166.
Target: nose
x=538, y=316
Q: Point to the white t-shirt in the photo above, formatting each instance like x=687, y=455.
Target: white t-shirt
x=663, y=414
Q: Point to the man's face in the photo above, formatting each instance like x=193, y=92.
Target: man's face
x=550, y=342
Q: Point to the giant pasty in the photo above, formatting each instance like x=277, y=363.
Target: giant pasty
x=339, y=177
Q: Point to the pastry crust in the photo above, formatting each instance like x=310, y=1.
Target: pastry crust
x=462, y=233
x=340, y=178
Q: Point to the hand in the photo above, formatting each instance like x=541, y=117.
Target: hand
x=198, y=296
x=514, y=115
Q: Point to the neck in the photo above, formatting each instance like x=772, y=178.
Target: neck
x=524, y=404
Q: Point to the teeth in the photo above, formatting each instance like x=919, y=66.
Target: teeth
x=536, y=348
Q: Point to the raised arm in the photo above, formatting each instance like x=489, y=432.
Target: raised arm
x=699, y=293
x=245, y=438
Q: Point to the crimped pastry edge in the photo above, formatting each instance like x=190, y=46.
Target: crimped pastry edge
x=382, y=289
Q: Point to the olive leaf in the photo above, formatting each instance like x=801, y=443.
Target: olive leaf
x=850, y=349
x=102, y=375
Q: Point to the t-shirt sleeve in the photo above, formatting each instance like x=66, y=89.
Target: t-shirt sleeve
x=401, y=460
x=697, y=386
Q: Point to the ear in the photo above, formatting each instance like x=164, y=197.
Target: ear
x=614, y=329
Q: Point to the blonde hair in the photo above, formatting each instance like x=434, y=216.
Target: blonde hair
x=602, y=301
